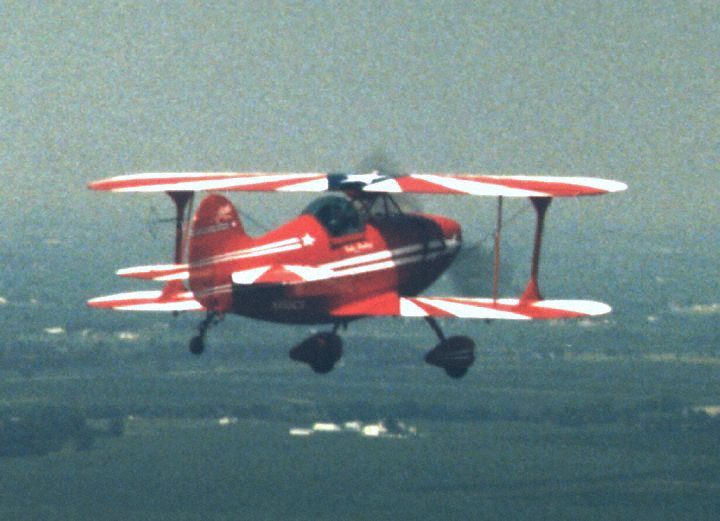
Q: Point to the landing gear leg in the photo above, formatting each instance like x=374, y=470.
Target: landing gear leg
x=197, y=343
x=338, y=325
x=455, y=354
x=435, y=327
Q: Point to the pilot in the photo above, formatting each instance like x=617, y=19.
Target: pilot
x=339, y=217
x=332, y=216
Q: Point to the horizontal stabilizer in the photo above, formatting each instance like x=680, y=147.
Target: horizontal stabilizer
x=173, y=298
x=417, y=183
x=163, y=272
x=480, y=308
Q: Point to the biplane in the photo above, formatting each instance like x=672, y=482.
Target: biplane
x=352, y=253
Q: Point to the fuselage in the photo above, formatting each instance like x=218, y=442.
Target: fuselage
x=310, y=266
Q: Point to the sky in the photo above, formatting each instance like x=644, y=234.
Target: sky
x=621, y=90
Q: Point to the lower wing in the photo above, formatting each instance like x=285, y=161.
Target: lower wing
x=390, y=304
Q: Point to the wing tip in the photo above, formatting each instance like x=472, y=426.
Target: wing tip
x=100, y=186
x=612, y=186
x=584, y=308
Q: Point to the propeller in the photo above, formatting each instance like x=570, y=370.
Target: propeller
x=471, y=273
x=381, y=162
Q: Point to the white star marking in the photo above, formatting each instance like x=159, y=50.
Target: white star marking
x=307, y=240
x=364, y=178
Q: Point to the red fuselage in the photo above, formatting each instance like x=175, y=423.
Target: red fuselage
x=317, y=263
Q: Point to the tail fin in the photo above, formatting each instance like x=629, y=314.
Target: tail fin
x=216, y=232
x=216, y=229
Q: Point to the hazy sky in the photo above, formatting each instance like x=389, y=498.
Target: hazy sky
x=624, y=90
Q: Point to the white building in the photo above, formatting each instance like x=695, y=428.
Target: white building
x=326, y=427
x=374, y=430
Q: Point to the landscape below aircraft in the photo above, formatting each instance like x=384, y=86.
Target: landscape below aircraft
x=345, y=257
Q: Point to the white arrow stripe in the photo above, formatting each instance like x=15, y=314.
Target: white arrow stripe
x=255, y=251
x=249, y=276
x=313, y=274
x=310, y=273
x=450, y=245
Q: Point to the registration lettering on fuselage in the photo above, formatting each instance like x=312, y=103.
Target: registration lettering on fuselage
x=289, y=305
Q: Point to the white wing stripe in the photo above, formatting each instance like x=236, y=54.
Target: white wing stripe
x=468, y=183
x=170, y=175
x=182, y=275
x=224, y=183
x=409, y=309
x=390, y=186
x=316, y=185
x=469, y=311
x=586, y=307
x=142, y=295
x=589, y=182
x=148, y=269
x=476, y=187
x=187, y=305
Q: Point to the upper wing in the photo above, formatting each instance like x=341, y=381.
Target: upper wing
x=390, y=304
x=458, y=183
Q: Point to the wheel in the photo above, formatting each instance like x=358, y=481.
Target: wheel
x=322, y=366
x=456, y=372
x=320, y=351
x=197, y=345
x=454, y=355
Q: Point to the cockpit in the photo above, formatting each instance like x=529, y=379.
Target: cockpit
x=338, y=215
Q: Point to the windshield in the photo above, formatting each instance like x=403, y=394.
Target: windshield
x=337, y=215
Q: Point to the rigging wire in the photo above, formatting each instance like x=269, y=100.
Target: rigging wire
x=153, y=220
x=506, y=222
x=255, y=222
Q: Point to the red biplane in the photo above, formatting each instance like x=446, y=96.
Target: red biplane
x=345, y=257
